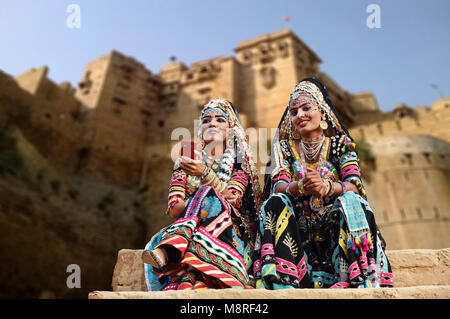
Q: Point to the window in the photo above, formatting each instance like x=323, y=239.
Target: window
x=436, y=212
x=380, y=128
x=419, y=212
x=409, y=159
x=119, y=101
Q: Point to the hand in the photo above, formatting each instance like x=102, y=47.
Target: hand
x=314, y=184
x=193, y=167
x=230, y=197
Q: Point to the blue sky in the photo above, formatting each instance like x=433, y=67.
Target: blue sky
x=398, y=61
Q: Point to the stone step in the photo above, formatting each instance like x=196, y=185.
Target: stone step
x=411, y=268
x=417, y=292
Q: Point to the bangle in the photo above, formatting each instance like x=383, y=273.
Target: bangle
x=343, y=187
x=287, y=189
x=330, y=190
x=301, y=188
x=221, y=187
x=215, y=182
x=205, y=172
x=327, y=191
x=209, y=177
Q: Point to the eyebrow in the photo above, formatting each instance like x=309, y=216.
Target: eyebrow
x=215, y=115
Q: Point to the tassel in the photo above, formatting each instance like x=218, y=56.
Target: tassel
x=365, y=243
x=350, y=243
x=369, y=240
x=358, y=242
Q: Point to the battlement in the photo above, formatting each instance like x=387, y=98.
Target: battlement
x=403, y=120
x=280, y=43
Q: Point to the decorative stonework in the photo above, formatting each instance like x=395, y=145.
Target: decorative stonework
x=268, y=77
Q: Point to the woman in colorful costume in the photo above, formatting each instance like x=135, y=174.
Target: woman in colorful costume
x=215, y=199
x=318, y=229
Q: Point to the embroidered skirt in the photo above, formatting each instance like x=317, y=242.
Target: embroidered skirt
x=212, y=253
x=298, y=248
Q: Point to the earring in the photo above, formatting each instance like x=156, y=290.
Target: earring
x=203, y=144
x=323, y=124
x=230, y=141
x=295, y=135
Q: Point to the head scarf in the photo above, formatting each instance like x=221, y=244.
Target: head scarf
x=251, y=200
x=312, y=90
x=215, y=106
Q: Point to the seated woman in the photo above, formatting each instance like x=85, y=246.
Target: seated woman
x=318, y=229
x=215, y=199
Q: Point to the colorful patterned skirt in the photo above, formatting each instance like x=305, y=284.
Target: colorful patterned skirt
x=339, y=248
x=211, y=250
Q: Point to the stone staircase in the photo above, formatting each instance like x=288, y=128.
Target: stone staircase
x=418, y=274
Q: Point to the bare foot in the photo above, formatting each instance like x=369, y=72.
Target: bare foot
x=157, y=258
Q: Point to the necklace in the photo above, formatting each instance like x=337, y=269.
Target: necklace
x=215, y=164
x=315, y=203
x=312, y=146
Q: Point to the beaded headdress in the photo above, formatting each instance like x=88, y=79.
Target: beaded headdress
x=216, y=105
x=313, y=91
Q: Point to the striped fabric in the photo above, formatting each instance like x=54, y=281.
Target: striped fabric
x=238, y=183
x=349, y=167
x=282, y=177
x=177, y=187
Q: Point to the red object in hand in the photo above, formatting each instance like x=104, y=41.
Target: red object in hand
x=187, y=149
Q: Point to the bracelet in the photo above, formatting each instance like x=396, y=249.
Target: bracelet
x=215, y=182
x=343, y=187
x=221, y=187
x=205, y=172
x=301, y=188
x=209, y=177
x=330, y=190
x=327, y=191
x=287, y=189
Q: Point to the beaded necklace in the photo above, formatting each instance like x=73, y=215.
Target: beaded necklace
x=215, y=165
x=223, y=167
x=301, y=162
x=312, y=146
x=314, y=203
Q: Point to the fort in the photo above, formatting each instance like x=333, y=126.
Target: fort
x=95, y=160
